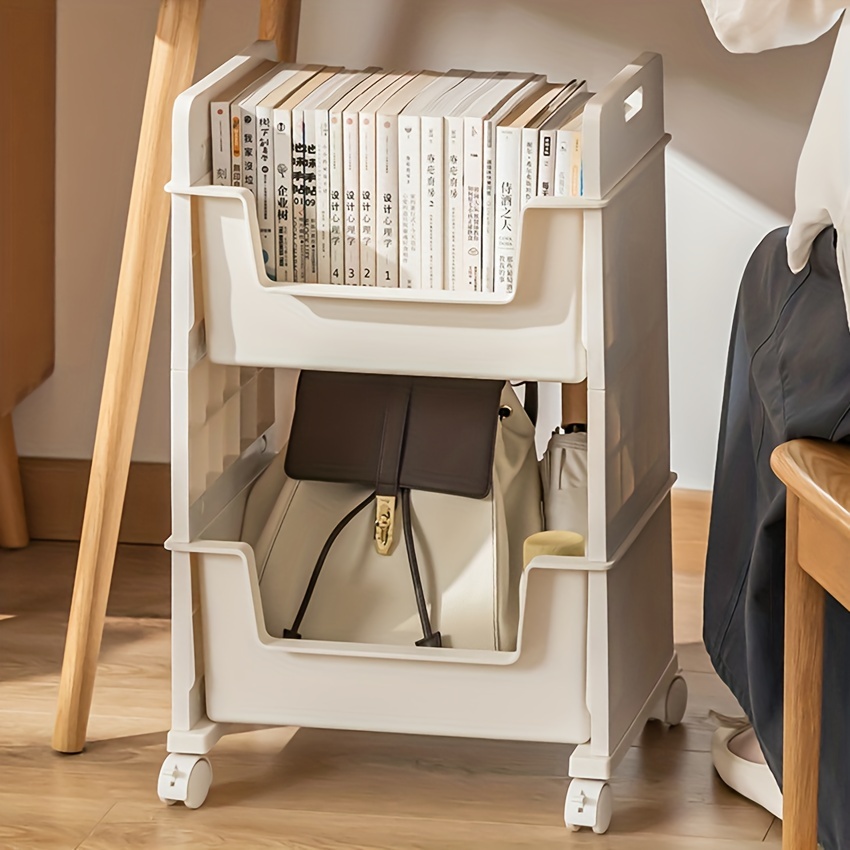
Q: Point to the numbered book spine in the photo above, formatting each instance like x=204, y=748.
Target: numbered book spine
x=265, y=188
x=351, y=194
x=386, y=233
x=432, y=194
x=508, y=202
x=323, y=196
x=368, y=188
x=473, y=193
x=336, y=272
x=454, y=229
x=546, y=162
x=409, y=179
x=284, y=207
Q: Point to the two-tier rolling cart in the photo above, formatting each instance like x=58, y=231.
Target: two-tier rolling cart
x=595, y=657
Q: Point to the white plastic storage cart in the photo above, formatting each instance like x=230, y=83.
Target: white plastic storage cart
x=595, y=657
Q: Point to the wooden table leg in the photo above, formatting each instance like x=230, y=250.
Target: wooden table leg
x=804, y=624
x=13, y=520
x=172, y=68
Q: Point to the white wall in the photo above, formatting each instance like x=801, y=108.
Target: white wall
x=738, y=124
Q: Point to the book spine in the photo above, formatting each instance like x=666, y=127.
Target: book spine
x=323, y=197
x=454, y=230
x=337, y=201
x=409, y=178
x=546, y=162
x=351, y=190
x=299, y=190
x=561, y=182
x=488, y=208
x=530, y=152
x=220, y=142
x=508, y=202
x=265, y=189
x=473, y=193
x=235, y=145
x=284, y=208
x=368, y=188
x=576, y=166
x=249, y=149
x=311, y=194
x=432, y=198
x=386, y=233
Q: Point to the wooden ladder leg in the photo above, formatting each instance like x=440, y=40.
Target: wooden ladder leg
x=171, y=71
x=804, y=624
x=279, y=20
x=13, y=519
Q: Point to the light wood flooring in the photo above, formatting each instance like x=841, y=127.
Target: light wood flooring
x=319, y=790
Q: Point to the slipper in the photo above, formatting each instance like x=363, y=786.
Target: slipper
x=752, y=779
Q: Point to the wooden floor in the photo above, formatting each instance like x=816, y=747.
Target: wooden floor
x=316, y=790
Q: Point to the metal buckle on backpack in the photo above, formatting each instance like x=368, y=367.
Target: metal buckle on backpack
x=384, y=522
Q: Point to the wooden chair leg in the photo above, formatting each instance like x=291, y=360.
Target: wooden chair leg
x=804, y=624
x=13, y=519
x=574, y=404
x=171, y=71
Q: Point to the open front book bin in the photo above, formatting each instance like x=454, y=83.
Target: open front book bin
x=595, y=657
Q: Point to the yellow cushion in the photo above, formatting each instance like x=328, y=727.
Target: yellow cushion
x=552, y=543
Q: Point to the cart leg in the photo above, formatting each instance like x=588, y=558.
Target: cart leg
x=171, y=71
x=13, y=519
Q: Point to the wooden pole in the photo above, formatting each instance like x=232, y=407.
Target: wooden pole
x=13, y=519
x=172, y=68
x=171, y=71
x=279, y=21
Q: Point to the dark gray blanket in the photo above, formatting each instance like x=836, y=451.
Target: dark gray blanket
x=788, y=376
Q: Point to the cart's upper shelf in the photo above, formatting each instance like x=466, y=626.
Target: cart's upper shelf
x=533, y=332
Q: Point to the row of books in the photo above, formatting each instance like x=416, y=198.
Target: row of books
x=399, y=179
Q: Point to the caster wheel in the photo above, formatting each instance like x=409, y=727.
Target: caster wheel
x=676, y=702
x=184, y=779
x=589, y=803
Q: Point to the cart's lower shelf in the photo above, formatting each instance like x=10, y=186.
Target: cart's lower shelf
x=538, y=692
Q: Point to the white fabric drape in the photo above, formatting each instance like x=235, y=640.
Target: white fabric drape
x=823, y=175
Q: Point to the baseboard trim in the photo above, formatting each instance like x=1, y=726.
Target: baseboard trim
x=55, y=498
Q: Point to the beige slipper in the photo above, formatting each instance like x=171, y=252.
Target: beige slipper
x=749, y=776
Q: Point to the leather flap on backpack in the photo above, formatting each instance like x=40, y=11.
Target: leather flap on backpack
x=391, y=431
